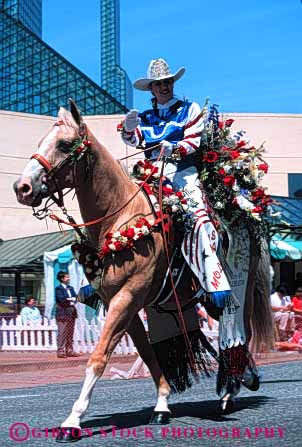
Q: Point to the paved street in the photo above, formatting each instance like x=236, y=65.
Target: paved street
x=126, y=405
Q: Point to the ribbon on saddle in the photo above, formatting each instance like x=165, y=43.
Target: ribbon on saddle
x=199, y=249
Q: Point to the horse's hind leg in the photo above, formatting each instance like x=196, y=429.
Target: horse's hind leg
x=121, y=311
x=138, y=334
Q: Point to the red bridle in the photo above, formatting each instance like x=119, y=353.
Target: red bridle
x=42, y=160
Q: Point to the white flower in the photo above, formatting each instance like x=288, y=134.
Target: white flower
x=185, y=207
x=145, y=230
x=116, y=235
x=136, y=237
x=123, y=240
x=141, y=171
x=112, y=247
x=174, y=209
x=256, y=216
x=148, y=171
x=136, y=230
x=156, y=175
x=218, y=205
x=227, y=168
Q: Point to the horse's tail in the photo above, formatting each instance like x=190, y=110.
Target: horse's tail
x=258, y=315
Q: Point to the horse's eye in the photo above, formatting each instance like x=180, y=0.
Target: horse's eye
x=64, y=146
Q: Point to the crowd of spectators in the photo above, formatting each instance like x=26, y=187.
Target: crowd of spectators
x=287, y=314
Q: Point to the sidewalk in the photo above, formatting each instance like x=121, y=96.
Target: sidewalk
x=32, y=369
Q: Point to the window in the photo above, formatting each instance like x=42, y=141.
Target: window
x=295, y=185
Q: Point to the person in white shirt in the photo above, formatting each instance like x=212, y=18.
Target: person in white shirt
x=30, y=313
x=283, y=317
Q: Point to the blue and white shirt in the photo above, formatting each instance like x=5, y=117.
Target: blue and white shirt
x=178, y=121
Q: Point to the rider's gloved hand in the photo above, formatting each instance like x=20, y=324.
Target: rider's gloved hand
x=132, y=121
x=168, y=148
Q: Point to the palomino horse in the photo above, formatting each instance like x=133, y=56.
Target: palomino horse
x=131, y=279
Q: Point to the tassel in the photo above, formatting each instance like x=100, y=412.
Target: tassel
x=232, y=364
x=174, y=360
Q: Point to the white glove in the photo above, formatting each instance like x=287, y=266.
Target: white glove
x=132, y=120
x=168, y=148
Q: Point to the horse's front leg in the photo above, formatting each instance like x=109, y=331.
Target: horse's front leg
x=122, y=309
x=136, y=330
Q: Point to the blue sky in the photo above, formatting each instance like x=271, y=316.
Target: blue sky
x=245, y=55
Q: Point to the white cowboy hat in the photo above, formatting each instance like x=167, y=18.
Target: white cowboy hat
x=158, y=69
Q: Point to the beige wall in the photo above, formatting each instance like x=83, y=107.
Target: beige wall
x=20, y=134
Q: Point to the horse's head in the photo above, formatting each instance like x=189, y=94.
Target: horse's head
x=50, y=169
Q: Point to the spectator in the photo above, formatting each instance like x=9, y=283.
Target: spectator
x=283, y=317
x=30, y=313
x=293, y=344
x=297, y=307
x=66, y=315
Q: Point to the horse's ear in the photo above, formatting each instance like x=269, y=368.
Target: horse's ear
x=64, y=115
x=75, y=112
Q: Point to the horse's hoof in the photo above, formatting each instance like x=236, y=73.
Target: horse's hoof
x=69, y=434
x=160, y=418
x=226, y=406
x=253, y=384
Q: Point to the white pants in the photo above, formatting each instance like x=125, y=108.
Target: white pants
x=285, y=320
x=184, y=176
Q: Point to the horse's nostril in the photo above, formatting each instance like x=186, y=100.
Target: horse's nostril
x=25, y=188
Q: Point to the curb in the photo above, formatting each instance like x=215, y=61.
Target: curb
x=59, y=363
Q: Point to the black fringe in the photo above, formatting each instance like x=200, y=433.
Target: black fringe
x=232, y=364
x=174, y=360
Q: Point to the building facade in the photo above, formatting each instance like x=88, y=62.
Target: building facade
x=113, y=78
x=21, y=132
x=34, y=78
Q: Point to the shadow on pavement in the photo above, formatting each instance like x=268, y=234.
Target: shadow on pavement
x=205, y=410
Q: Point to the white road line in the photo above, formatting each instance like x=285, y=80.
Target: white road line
x=20, y=395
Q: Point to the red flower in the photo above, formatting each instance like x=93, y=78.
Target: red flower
x=257, y=209
x=263, y=167
x=142, y=222
x=258, y=194
x=181, y=151
x=118, y=246
x=241, y=143
x=167, y=191
x=179, y=194
x=221, y=124
x=229, y=122
x=129, y=233
x=266, y=200
x=109, y=235
x=229, y=180
x=234, y=154
x=222, y=172
x=224, y=148
x=184, y=201
x=210, y=157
